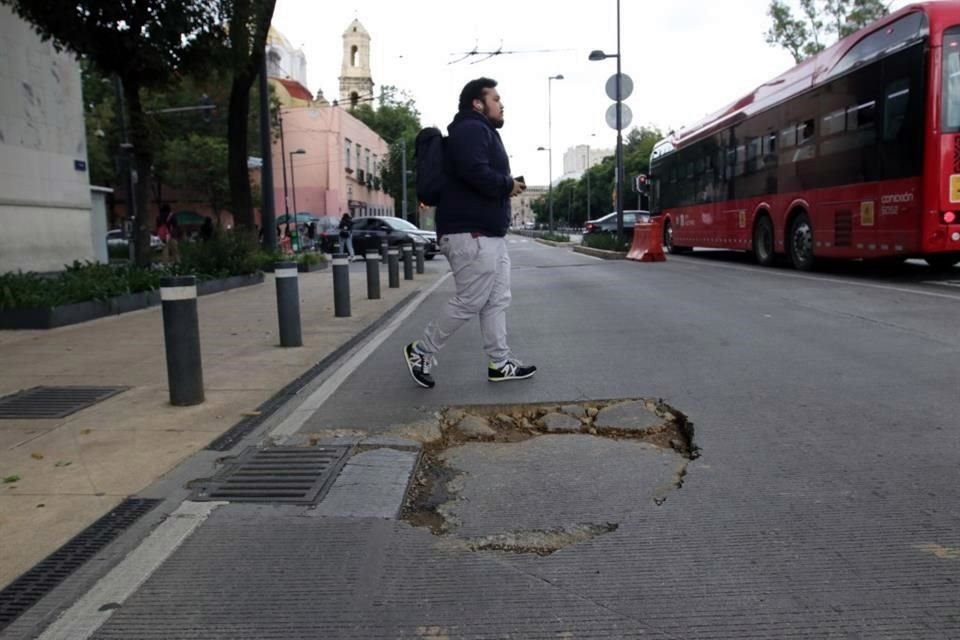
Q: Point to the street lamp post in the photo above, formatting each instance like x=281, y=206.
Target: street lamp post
x=293, y=185
x=550, y=80
x=283, y=164
x=549, y=189
x=600, y=55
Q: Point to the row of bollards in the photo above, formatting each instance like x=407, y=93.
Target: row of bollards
x=181, y=326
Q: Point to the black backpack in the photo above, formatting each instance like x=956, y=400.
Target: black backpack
x=430, y=165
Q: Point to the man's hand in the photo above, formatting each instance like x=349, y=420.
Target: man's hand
x=518, y=188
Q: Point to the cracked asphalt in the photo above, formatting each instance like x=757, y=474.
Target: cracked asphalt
x=823, y=504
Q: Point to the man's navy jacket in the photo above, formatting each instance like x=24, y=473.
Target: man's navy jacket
x=476, y=198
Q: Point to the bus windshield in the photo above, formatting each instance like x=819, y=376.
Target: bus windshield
x=951, y=80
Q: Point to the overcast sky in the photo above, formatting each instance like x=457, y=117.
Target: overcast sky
x=687, y=58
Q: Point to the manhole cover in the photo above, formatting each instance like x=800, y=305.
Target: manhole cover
x=27, y=590
x=294, y=475
x=53, y=402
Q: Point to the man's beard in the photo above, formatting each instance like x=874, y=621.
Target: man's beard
x=497, y=123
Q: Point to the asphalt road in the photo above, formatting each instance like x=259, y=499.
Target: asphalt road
x=824, y=502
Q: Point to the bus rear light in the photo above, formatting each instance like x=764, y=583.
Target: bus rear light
x=949, y=217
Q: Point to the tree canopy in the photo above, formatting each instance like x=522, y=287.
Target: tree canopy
x=818, y=21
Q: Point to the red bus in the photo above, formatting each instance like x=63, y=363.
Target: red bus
x=854, y=153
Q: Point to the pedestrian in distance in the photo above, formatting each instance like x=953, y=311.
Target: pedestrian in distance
x=473, y=216
x=163, y=230
x=176, y=235
x=346, y=235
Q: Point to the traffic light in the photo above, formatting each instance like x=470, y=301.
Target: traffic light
x=641, y=183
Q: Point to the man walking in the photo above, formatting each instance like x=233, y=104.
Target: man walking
x=473, y=216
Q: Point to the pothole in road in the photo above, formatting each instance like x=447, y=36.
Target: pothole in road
x=522, y=478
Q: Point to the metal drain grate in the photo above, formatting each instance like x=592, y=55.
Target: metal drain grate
x=26, y=591
x=292, y=475
x=53, y=402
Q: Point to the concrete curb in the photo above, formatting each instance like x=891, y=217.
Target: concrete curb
x=551, y=243
x=600, y=253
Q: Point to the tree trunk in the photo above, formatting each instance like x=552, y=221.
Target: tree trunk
x=237, y=172
x=142, y=161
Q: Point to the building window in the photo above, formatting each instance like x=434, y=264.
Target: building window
x=273, y=63
x=354, y=99
x=355, y=56
x=368, y=162
x=349, y=148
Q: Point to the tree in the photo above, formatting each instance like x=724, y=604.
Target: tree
x=249, y=22
x=806, y=35
x=198, y=163
x=143, y=43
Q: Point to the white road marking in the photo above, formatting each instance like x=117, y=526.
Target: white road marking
x=800, y=276
x=87, y=615
x=292, y=423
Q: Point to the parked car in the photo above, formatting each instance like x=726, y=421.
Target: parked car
x=328, y=234
x=116, y=239
x=608, y=223
x=369, y=232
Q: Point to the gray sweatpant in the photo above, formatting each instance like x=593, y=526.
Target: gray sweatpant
x=481, y=271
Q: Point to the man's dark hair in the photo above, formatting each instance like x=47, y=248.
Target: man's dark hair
x=473, y=90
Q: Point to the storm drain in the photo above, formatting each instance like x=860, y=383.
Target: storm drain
x=53, y=402
x=27, y=590
x=290, y=475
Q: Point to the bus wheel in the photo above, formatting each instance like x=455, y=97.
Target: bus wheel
x=943, y=261
x=801, y=243
x=763, y=242
x=668, y=240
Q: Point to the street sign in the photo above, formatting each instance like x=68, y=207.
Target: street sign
x=626, y=116
x=626, y=86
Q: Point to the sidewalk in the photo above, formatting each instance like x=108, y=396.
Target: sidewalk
x=74, y=470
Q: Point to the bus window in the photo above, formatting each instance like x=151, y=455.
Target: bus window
x=897, y=98
x=788, y=137
x=770, y=147
x=897, y=34
x=834, y=122
x=951, y=81
x=805, y=132
x=862, y=116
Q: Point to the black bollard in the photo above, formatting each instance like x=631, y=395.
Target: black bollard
x=341, y=285
x=420, y=252
x=181, y=336
x=393, y=267
x=408, y=262
x=373, y=275
x=288, y=304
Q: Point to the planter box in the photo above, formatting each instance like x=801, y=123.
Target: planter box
x=92, y=309
x=310, y=268
x=207, y=287
x=600, y=253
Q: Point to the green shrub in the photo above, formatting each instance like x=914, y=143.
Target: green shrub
x=553, y=236
x=605, y=241
x=78, y=283
x=227, y=253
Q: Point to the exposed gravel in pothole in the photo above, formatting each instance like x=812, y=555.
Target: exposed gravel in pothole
x=436, y=485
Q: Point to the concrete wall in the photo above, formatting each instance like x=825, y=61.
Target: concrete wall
x=45, y=207
x=323, y=186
